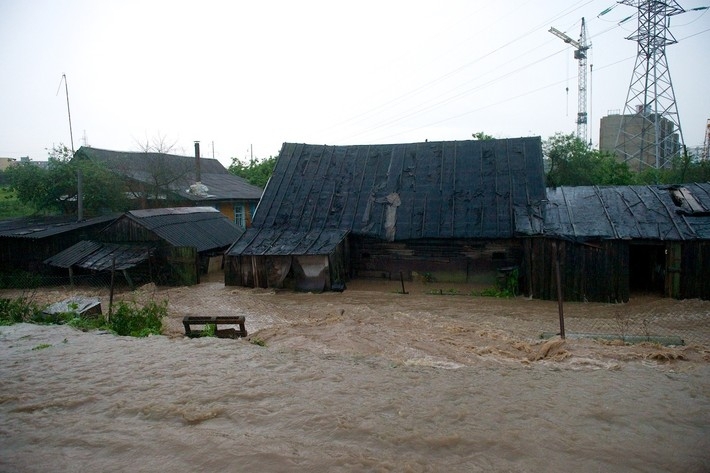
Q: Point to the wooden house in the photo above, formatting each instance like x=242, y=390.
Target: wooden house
x=613, y=241
x=439, y=211
x=156, y=180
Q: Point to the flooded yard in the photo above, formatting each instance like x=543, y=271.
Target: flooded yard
x=365, y=380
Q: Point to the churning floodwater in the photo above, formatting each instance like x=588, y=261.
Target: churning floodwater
x=75, y=401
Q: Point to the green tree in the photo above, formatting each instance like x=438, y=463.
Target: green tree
x=482, y=136
x=256, y=172
x=683, y=169
x=573, y=163
x=54, y=189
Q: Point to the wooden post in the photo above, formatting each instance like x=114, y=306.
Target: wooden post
x=401, y=279
x=558, y=278
x=110, y=297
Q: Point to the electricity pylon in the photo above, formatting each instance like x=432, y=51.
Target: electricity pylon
x=649, y=132
x=580, y=53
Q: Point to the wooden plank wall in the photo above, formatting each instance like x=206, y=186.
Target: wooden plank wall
x=695, y=270
x=446, y=260
x=590, y=272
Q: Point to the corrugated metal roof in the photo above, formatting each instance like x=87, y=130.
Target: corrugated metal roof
x=626, y=212
x=204, y=228
x=100, y=256
x=450, y=189
x=42, y=227
x=177, y=172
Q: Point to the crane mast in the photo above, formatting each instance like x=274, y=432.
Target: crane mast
x=580, y=54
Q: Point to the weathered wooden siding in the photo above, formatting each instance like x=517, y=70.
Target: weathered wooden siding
x=695, y=270
x=125, y=230
x=443, y=260
x=597, y=272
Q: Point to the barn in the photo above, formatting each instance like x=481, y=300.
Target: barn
x=440, y=211
x=612, y=242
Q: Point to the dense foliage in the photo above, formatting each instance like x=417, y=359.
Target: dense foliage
x=256, y=172
x=54, y=189
x=572, y=163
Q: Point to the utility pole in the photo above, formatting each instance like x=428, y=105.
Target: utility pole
x=79, y=176
x=66, y=90
x=580, y=54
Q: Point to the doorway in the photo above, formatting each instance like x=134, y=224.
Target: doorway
x=647, y=268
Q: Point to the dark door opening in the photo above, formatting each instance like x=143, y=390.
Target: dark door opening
x=647, y=268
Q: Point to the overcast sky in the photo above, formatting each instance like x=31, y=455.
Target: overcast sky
x=249, y=75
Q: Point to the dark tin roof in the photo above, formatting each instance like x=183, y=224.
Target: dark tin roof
x=625, y=212
x=178, y=171
x=449, y=189
x=278, y=242
x=42, y=227
x=100, y=256
x=204, y=228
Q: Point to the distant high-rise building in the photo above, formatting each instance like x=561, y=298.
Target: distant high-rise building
x=658, y=143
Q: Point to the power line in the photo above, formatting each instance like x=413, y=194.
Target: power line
x=463, y=67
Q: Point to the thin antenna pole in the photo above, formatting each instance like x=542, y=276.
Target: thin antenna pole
x=71, y=133
x=591, y=102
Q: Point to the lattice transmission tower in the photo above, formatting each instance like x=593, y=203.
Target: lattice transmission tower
x=649, y=133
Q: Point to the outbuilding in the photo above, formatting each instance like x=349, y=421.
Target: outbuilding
x=611, y=242
x=167, y=246
x=439, y=211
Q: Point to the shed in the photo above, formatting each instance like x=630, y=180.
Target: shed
x=616, y=240
x=27, y=241
x=436, y=210
x=175, y=245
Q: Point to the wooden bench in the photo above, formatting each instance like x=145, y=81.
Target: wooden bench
x=218, y=320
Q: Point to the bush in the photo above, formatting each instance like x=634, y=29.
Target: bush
x=129, y=319
x=15, y=311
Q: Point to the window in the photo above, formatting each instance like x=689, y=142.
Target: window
x=239, y=215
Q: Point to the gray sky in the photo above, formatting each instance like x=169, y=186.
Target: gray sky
x=243, y=75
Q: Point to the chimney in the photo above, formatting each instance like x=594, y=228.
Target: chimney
x=198, y=178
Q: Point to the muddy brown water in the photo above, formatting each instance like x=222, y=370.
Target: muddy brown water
x=364, y=380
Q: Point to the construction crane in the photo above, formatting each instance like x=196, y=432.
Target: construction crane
x=580, y=53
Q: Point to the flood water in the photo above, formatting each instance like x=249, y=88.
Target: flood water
x=75, y=401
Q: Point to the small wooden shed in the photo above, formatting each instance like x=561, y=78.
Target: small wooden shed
x=26, y=242
x=178, y=243
x=614, y=241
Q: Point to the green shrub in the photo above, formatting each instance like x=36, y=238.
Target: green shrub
x=129, y=319
x=14, y=311
x=210, y=330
